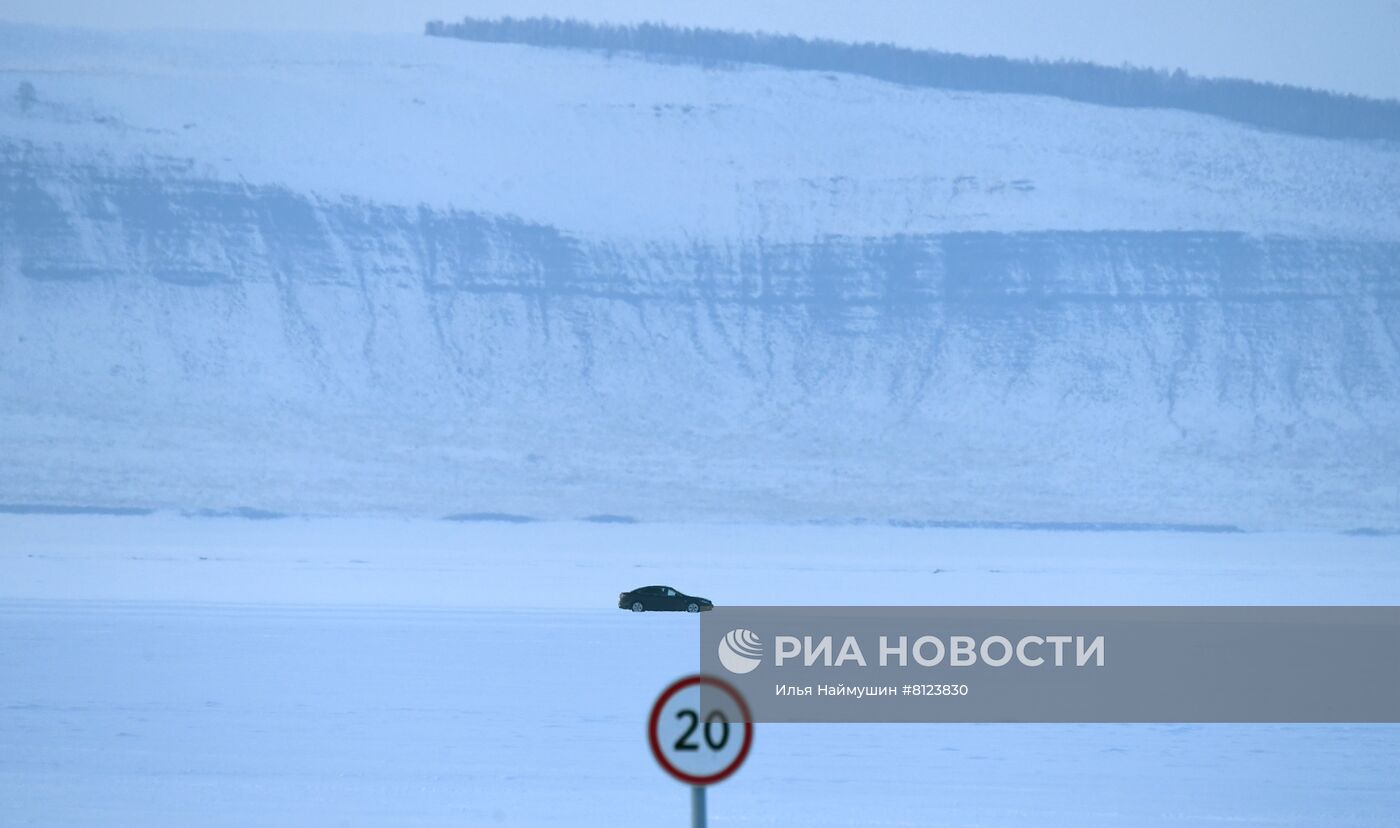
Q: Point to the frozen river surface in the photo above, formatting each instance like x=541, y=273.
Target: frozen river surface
x=170, y=671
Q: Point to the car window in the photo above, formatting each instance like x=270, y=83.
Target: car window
x=671, y=592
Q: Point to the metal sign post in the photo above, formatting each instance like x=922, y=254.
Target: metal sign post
x=692, y=736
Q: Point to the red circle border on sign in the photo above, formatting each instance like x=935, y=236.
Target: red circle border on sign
x=655, y=719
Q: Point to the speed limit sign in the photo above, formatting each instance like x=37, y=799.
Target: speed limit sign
x=700, y=730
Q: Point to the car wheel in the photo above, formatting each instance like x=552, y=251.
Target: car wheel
x=637, y=606
x=693, y=608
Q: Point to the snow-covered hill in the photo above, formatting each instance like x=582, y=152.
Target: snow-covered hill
x=327, y=273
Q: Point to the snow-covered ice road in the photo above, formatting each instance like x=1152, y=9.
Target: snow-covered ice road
x=171, y=671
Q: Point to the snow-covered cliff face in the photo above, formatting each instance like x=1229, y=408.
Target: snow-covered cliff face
x=188, y=322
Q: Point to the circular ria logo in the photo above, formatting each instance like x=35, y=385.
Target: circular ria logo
x=740, y=651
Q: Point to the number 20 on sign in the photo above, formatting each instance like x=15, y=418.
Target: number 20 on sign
x=700, y=730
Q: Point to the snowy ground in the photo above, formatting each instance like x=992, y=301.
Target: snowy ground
x=344, y=274
x=173, y=671
x=622, y=147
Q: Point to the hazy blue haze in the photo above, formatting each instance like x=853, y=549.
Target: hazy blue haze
x=805, y=295
x=1306, y=112
x=1342, y=47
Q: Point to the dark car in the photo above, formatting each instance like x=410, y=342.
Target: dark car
x=662, y=599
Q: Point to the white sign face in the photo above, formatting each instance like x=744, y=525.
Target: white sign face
x=699, y=730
